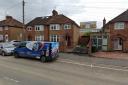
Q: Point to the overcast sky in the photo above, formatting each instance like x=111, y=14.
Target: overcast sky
x=78, y=10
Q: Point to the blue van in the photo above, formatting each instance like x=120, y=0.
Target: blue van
x=45, y=51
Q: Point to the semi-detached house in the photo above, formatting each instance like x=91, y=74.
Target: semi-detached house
x=11, y=29
x=117, y=30
x=55, y=28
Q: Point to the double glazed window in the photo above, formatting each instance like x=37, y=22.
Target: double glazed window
x=54, y=38
x=6, y=28
x=1, y=28
x=29, y=28
x=39, y=28
x=54, y=27
x=39, y=38
x=119, y=25
x=67, y=26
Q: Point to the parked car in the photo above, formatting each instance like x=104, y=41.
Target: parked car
x=15, y=42
x=6, y=49
x=45, y=51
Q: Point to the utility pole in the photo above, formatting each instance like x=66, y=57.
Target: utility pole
x=24, y=31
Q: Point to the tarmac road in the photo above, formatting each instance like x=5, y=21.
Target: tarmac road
x=61, y=72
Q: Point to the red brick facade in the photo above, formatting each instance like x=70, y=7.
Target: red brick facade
x=120, y=34
x=67, y=38
x=11, y=29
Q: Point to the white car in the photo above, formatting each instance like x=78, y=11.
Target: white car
x=6, y=49
x=15, y=42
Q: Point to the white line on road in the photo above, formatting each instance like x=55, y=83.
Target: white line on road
x=91, y=65
x=11, y=79
x=114, y=66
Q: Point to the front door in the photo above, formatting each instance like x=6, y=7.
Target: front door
x=118, y=44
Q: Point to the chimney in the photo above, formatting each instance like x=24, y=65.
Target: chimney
x=54, y=13
x=9, y=18
x=104, y=21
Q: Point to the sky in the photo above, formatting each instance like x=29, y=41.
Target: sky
x=78, y=10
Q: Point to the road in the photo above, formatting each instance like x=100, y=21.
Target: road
x=61, y=72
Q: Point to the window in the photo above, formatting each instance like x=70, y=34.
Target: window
x=54, y=27
x=1, y=37
x=67, y=26
x=119, y=25
x=39, y=38
x=39, y=28
x=54, y=38
x=6, y=37
x=29, y=28
x=87, y=25
x=1, y=28
x=6, y=27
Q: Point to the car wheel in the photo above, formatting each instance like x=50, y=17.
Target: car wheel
x=43, y=59
x=3, y=53
x=16, y=55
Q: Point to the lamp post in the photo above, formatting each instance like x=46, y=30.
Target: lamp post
x=24, y=31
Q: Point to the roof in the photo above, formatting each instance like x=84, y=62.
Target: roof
x=11, y=22
x=54, y=19
x=121, y=18
x=39, y=21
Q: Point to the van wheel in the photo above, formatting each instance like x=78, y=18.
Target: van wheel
x=16, y=55
x=3, y=53
x=43, y=59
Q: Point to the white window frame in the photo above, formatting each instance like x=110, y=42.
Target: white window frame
x=1, y=28
x=87, y=25
x=6, y=38
x=39, y=38
x=119, y=25
x=67, y=26
x=54, y=27
x=54, y=38
x=39, y=27
x=6, y=28
x=29, y=28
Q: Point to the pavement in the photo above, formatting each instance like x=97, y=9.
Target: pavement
x=111, y=55
x=100, y=61
x=69, y=69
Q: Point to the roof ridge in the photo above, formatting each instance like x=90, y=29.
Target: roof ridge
x=121, y=17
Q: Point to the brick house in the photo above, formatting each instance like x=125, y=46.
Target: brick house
x=56, y=28
x=10, y=29
x=117, y=30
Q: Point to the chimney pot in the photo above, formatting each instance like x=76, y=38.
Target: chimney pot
x=54, y=13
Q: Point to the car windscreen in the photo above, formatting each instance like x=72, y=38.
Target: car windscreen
x=8, y=46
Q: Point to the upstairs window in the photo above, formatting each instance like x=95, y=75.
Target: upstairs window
x=29, y=28
x=119, y=25
x=39, y=28
x=67, y=26
x=1, y=28
x=87, y=25
x=54, y=27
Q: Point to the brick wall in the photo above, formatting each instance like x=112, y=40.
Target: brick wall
x=123, y=33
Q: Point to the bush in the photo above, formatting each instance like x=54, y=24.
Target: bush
x=87, y=34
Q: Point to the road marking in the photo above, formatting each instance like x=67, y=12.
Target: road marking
x=92, y=66
x=115, y=66
x=11, y=79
